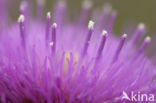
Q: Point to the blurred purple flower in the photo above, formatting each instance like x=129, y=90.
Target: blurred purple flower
x=69, y=63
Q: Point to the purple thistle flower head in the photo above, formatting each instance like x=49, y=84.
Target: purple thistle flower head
x=66, y=62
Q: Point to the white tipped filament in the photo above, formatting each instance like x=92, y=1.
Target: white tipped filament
x=88, y=38
x=54, y=25
x=104, y=33
x=91, y=25
x=120, y=47
x=48, y=15
x=22, y=29
x=54, y=37
x=102, y=44
x=21, y=18
x=148, y=39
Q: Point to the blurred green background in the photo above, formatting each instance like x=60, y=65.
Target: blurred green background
x=128, y=10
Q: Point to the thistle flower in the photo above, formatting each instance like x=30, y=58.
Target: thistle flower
x=65, y=62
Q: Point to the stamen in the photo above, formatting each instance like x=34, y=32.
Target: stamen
x=102, y=44
x=147, y=40
x=21, y=20
x=54, y=26
x=48, y=27
x=90, y=31
x=140, y=31
x=86, y=8
x=120, y=46
x=111, y=22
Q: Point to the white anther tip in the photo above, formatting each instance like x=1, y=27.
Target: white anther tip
x=51, y=44
x=54, y=25
x=124, y=35
x=48, y=15
x=141, y=26
x=21, y=18
x=104, y=33
x=148, y=39
x=91, y=24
